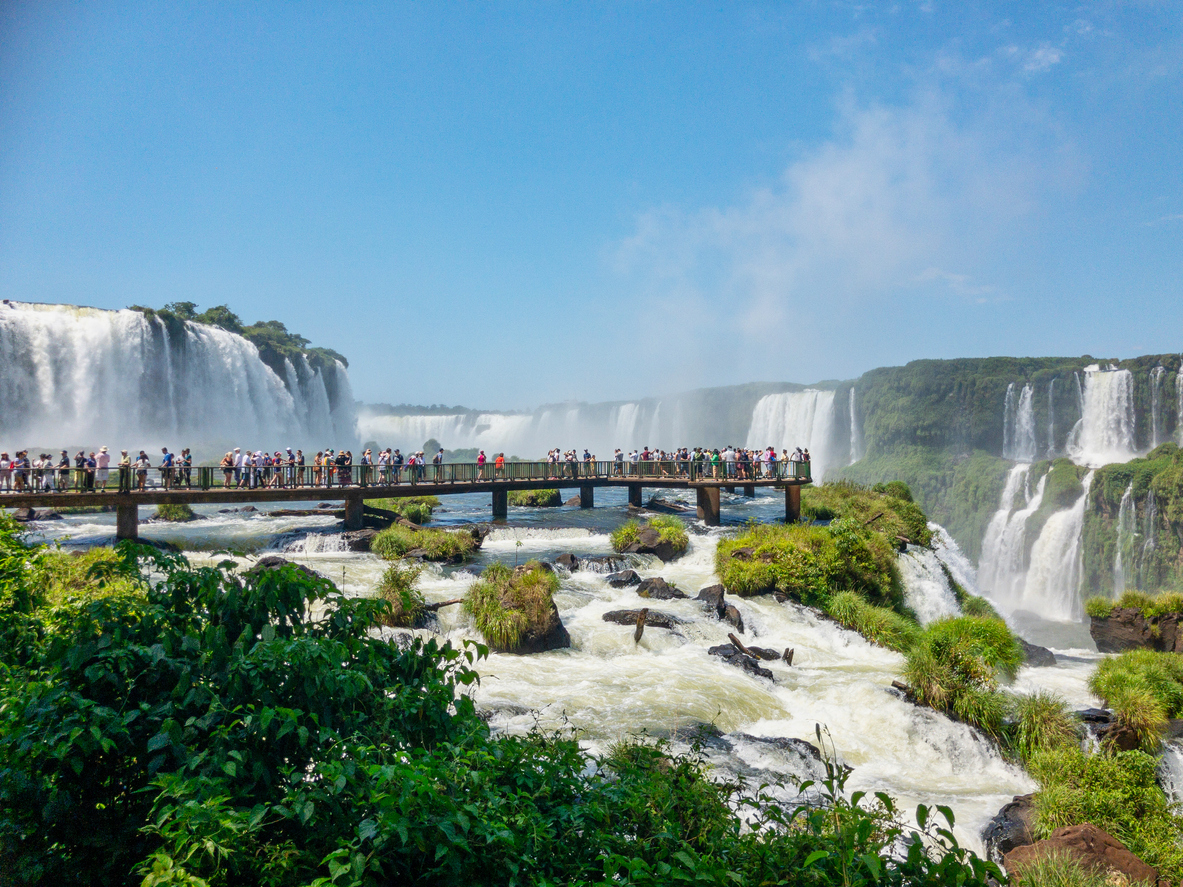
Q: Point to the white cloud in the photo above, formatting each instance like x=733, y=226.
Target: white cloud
x=1043, y=58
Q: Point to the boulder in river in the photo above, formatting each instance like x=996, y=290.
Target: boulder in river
x=1010, y=828
x=712, y=600
x=26, y=515
x=732, y=656
x=275, y=562
x=574, y=500
x=1093, y=848
x=659, y=590
x=1037, y=656
x=602, y=563
x=649, y=541
x=568, y=561
x=732, y=616
x=624, y=578
x=359, y=540
x=653, y=619
x=1126, y=628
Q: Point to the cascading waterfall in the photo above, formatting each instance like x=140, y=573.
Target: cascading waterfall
x=1003, y=570
x=1051, y=418
x=83, y=377
x=1105, y=432
x=1156, y=377
x=1052, y=588
x=796, y=419
x=1018, y=434
x=856, y=434
x=926, y=586
x=1179, y=405
x=1125, y=538
x=1150, y=540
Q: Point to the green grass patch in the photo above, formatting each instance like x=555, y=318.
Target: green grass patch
x=506, y=603
x=397, y=588
x=1099, y=607
x=1060, y=869
x=70, y=578
x=436, y=545
x=1152, y=606
x=887, y=507
x=179, y=513
x=535, y=498
x=1041, y=722
x=879, y=625
x=625, y=535
x=669, y=529
x=416, y=509
x=1144, y=688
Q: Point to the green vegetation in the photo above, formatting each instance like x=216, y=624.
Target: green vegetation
x=879, y=625
x=669, y=529
x=1115, y=791
x=397, y=588
x=70, y=578
x=888, y=508
x=535, y=498
x=1144, y=688
x=1099, y=607
x=1042, y=722
x=625, y=535
x=416, y=509
x=1153, y=606
x=435, y=545
x=506, y=603
x=177, y=513
x=1060, y=870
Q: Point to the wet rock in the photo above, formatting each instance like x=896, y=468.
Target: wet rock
x=569, y=561
x=1095, y=715
x=732, y=656
x=574, y=500
x=764, y=653
x=1037, y=656
x=27, y=515
x=1126, y=629
x=162, y=545
x=1093, y=848
x=326, y=505
x=359, y=540
x=275, y=562
x=624, y=578
x=732, y=616
x=654, y=619
x=246, y=509
x=659, y=590
x=550, y=634
x=800, y=747
x=1010, y=828
x=664, y=506
x=649, y=541
x=602, y=563
x=712, y=600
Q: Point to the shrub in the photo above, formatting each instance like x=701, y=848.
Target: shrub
x=1099, y=607
x=896, y=488
x=72, y=578
x=1042, y=722
x=179, y=513
x=672, y=530
x=1136, y=600
x=1144, y=688
x=972, y=605
x=535, y=498
x=1165, y=602
x=879, y=625
x=416, y=509
x=1059, y=869
x=876, y=507
x=437, y=545
x=625, y=535
x=504, y=604
x=397, y=588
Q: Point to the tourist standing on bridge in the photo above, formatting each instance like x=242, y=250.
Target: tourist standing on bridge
x=438, y=461
x=499, y=465
x=5, y=473
x=227, y=464
x=103, y=460
x=143, y=463
x=480, y=461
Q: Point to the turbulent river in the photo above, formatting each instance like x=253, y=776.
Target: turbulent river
x=607, y=688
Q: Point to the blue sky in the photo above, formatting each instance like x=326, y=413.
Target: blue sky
x=502, y=205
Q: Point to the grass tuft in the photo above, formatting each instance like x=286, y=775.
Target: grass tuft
x=879, y=625
x=437, y=545
x=1059, y=869
x=1144, y=688
x=178, y=513
x=505, y=603
x=1099, y=607
x=1042, y=722
x=397, y=588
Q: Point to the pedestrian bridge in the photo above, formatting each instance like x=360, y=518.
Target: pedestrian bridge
x=128, y=488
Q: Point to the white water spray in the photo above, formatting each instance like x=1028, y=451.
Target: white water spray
x=1051, y=418
x=1018, y=434
x=856, y=434
x=796, y=419
x=1052, y=588
x=1105, y=432
x=1003, y=570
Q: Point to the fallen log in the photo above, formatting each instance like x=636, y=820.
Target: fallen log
x=431, y=608
x=739, y=646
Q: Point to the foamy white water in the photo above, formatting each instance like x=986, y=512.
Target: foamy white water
x=1105, y=432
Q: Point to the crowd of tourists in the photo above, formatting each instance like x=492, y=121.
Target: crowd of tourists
x=244, y=468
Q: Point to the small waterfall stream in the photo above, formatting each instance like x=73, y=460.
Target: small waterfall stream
x=1105, y=432
x=1003, y=571
x=1018, y=435
x=1156, y=377
x=1052, y=587
x=1125, y=539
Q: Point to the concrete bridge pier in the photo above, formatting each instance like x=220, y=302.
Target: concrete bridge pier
x=500, y=504
x=127, y=521
x=730, y=490
x=708, y=505
x=792, y=504
x=355, y=508
x=587, y=496
x=634, y=495
x=749, y=491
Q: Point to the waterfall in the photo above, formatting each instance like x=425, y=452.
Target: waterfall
x=1051, y=419
x=1018, y=426
x=1156, y=377
x=926, y=586
x=1125, y=538
x=796, y=419
x=856, y=435
x=1150, y=538
x=1003, y=568
x=1105, y=432
x=1179, y=405
x=82, y=377
x=1052, y=588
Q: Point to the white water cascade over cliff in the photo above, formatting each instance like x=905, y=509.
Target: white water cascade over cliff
x=1018, y=428
x=1105, y=432
x=1125, y=539
x=85, y=377
x=1003, y=571
x=796, y=419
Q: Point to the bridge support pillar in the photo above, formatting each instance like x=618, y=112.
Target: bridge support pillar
x=708, y=505
x=634, y=495
x=354, y=512
x=127, y=521
x=587, y=496
x=730, y=490
x=500, y=504
x=792, y=504
x=749, y=491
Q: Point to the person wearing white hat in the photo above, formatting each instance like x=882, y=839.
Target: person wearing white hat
x=103, y=466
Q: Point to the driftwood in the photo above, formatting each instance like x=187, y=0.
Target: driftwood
x=739, y=646
x=875, y=518
x=788, y=655
x=431, y=608
x=903, y=688
x=642, y=618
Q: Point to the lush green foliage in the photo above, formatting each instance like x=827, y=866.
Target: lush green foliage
x=63, y=577
x=397, y=588
x=1114, y=791
x=1041, y=722
x=625, y=535
x=669, y=529
x=416, y=509
x=879, y=625
x=1060, y=870
x=535, y=498
x=1153, y=606
x=436, y=545
x=179, y=513
x=888, y=508
x=506, y=603
x=1099, y=607
x=1144, y=688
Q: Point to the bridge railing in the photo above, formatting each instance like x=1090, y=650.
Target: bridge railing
x=125, y=479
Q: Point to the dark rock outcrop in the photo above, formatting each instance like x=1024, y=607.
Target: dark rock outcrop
x=1126, y=629
x=359, y=540
x=624, y=578
x=654, y=618
x=551, y=635
x=602, y=563
x=274, y=562
x=659, y=590
x=27, y=515
x=568, y=561
x=1010, y=828
x=712, y=600
x=649, y=541
x=1037, y=656
x=732, y=616
x=574, y=500
x=732, y=656
x=1093, y=848
x=664, y=506
x=245, y=509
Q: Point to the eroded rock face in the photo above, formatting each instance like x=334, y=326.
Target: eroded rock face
x=659, y=590
x=1126, y=629
x=549, y=635
x=624, y=578
x=568, y=561
x=1010, y=828
x=359, y=540
x=1094, y=848
x=653, y=618
x=732, y=616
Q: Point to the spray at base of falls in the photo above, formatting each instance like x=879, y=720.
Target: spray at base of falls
x=796, y=419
